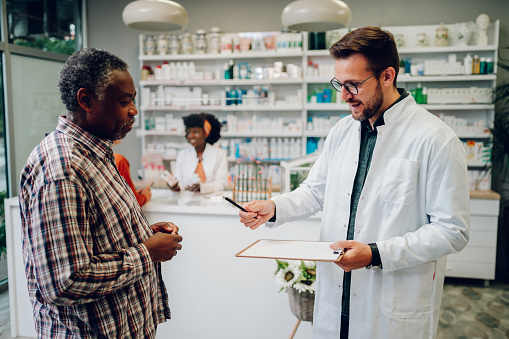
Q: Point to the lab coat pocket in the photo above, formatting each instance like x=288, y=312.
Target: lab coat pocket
x=399, y=182
x=408, y=293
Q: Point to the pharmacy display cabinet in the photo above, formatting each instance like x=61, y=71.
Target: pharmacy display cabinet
x=280, y=99
x=276, y=103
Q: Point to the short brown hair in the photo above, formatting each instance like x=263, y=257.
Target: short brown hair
x=376, y=45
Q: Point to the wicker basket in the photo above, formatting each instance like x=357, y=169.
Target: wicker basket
x=301, y=304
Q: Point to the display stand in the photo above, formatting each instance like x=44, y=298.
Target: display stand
x=245, y=189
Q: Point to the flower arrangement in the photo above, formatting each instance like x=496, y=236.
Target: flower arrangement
x=301, y=277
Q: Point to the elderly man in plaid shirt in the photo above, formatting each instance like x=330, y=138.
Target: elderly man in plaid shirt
x=92, y=260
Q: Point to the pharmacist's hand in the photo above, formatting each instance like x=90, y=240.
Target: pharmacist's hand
x=174, y=188
x=163, y=246
x=165, y=227
x=262, y=209
x=357, y=254
x=193, y=188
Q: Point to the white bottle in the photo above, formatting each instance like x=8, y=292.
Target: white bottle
x=468, y=64
x=232, y=149
x=166, y=71
x=321, y=142
x=191, y=70
x=272, y=149
x=286, y=148
x=236, y=72
x=160, y=96
x=158, y=73
x=178, y=71
x=173, y=71
x=279, y=148
x=298, y=147
x=185, y=71
x=265, y=154
x=292, y=152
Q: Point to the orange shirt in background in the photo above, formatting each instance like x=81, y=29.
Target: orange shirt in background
x=123, y=168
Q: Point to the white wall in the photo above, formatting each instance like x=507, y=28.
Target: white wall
x=107, y=31
x=37, y=106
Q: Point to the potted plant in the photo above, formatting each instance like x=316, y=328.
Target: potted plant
x=3, y=236
x=299, y=280
x=500, y=167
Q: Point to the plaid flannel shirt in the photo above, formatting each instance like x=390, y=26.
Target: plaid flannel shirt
x=89, y=276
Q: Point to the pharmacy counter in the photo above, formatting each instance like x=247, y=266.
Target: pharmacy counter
x=212, y=293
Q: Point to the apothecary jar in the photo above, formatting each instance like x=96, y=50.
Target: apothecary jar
x=186, y=43
x=200, y=41
x=149, y=45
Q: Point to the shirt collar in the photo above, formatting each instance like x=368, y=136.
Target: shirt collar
x=380, y=121
x=98, y=146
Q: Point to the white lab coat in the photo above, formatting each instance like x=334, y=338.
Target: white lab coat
x=214, y=164
x=414, y=205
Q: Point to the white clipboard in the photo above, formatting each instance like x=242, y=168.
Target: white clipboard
x=291, y=250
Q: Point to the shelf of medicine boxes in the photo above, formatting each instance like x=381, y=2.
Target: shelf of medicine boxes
x=221, y=83
x=227, y=108
x=231, y=82
x=214, y=56
x=421, y=78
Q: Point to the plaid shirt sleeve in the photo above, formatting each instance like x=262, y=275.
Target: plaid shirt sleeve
x=62, y=248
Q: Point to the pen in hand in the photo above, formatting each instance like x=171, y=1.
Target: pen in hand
x=236, y=205
x=340, y=251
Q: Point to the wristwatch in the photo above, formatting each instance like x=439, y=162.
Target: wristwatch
x=376, y=261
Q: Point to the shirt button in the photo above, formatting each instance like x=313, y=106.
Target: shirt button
x=358, y=231
x=355, y=162
x=354, y=294
x=339, y=286
x=348, y=194
x=362, y=198
x=344, y=225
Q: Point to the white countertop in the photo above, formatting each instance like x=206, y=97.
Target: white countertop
x=164, y=200
x=185, y=202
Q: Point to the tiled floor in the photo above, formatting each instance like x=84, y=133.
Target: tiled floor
x=469, y=310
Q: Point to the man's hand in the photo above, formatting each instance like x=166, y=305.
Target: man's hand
x=357, y=254
x=165, y=227
x=163, y=246
x=263, y=209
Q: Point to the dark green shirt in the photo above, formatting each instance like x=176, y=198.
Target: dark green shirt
x=368, y=141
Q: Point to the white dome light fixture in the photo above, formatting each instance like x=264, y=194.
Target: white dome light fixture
x=316, y=15
x=155, y=15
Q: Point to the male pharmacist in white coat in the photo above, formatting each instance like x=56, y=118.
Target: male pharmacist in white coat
x=392, y=185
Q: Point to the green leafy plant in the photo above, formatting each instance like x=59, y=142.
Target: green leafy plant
x=3, y=236
x=48, y=44
x=500, y=129
x=301, y=277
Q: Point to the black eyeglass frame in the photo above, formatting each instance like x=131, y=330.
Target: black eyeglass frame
x=337, y=85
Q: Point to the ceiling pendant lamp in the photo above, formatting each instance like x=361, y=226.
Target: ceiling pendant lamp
x=316, y=15
x=155, y=15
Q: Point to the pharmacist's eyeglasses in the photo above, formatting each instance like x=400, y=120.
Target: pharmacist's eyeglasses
x=351, y=88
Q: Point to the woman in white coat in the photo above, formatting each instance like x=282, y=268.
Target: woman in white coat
x=201, y=167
